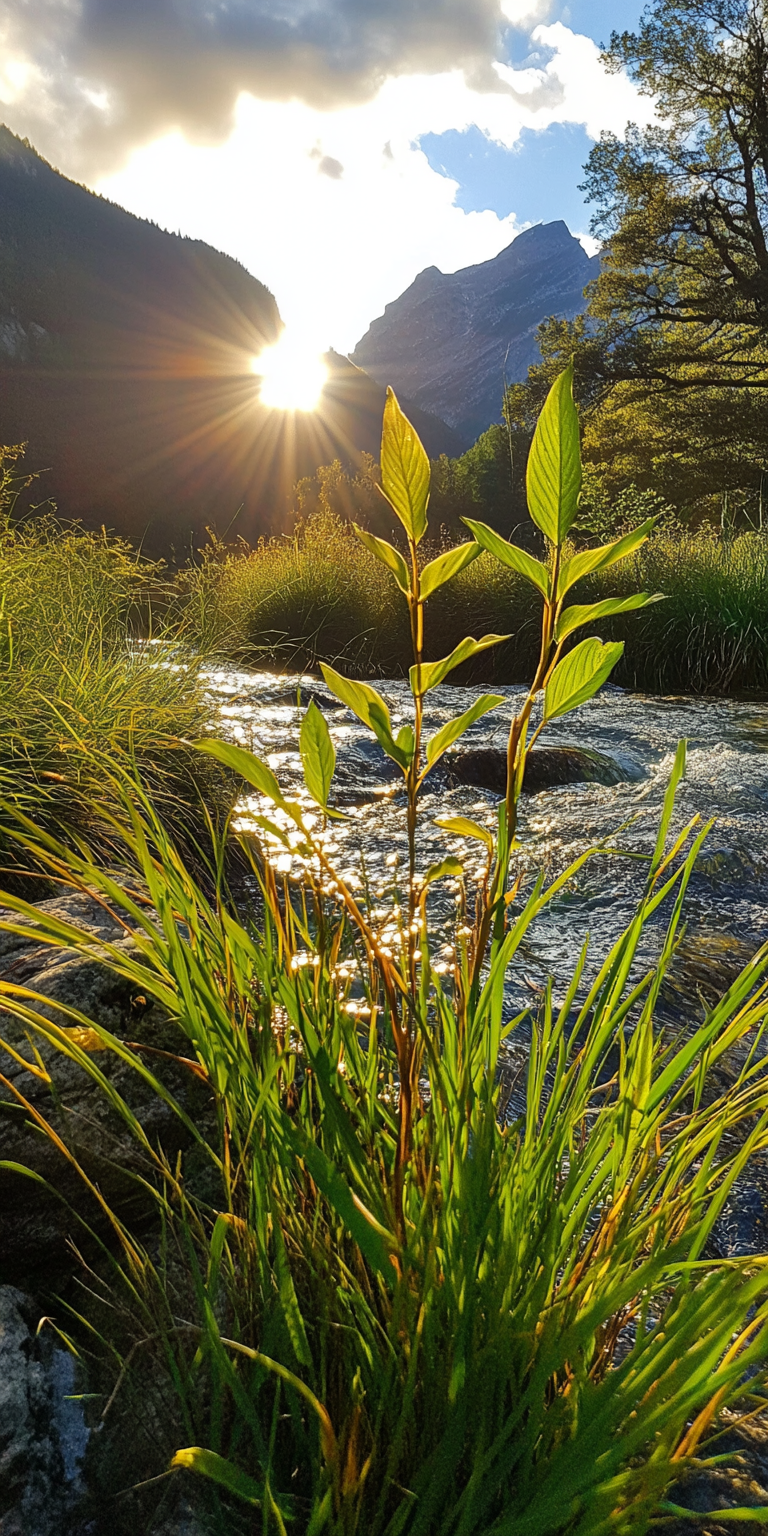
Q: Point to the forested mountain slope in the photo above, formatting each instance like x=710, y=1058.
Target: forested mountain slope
x=126, y=363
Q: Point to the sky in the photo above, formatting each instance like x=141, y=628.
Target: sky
x=335, y=147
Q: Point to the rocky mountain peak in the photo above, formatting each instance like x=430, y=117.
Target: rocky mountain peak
x=450, y=339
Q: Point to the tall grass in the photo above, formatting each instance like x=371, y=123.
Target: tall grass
x=322, y=597
x=77, y=677
x=527, y=1337
x=711, y=633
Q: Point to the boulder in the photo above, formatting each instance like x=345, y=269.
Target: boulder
x=34, y=1231
x=486, y=768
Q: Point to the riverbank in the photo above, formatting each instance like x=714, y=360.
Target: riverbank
x=321, y=596
x=91, y=686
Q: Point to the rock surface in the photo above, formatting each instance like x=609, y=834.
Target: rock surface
x=547, y=767
x=449, y=340
x=34, y=1232
x=43, y=1437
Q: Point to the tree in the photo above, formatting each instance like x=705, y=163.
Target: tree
x=671, y=360
x=683, y=205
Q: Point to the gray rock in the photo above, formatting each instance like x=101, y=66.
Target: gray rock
x=450, y=339
x=43, y=1436
x=34, y=1231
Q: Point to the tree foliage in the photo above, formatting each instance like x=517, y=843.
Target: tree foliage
x=671, y=360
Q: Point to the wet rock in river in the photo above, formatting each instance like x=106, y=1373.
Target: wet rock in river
x=486, y=768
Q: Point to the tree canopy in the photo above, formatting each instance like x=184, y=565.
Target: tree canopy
x=671, y=360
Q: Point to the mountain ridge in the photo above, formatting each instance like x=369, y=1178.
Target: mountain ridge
x=449, y=339
x=127, y=365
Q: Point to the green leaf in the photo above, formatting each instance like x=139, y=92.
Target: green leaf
x=447, y=566
x=388, y=556
x=318, y=754
x=406, y=741
x=553, y=476
x=447, y=866
x=253, y=770
x=369, y=707
x=405, y=471
x=463, y=826
x=453, y=729
x=433, y=672
x=374, y=1241
x=207, y=1464
x=510, y=554
x=589, y=560
x=586, y=613
x=758, y=1513
x=579, y=675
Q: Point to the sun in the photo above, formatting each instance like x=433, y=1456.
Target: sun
x=292, y=377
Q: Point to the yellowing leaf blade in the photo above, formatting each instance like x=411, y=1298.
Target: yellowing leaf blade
x=464, y=826
x=194, y=1458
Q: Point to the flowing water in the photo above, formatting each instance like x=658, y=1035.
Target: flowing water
x=726, y=780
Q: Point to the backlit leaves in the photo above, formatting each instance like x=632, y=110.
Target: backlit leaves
x=579, y=675
x=453, y=729
x=405, y=471
x=430, y=673
x=318, y=756
x=553, y=477
x=510, y=554
x=369, y=707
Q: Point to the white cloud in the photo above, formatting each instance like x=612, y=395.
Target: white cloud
x=335, y=248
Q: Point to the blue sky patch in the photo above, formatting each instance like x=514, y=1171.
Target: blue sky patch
x=537, y=180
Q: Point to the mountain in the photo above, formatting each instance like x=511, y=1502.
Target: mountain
x=126, y=364
x=449, y=340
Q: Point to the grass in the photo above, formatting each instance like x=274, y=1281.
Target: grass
x=77, y=680
x=321, y=596
x=711, y=634
x=527, y=1336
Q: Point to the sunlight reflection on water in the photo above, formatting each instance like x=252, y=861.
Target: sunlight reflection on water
x=727, y=778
